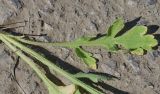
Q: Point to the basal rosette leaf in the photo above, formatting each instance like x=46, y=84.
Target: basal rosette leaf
x=87, y=57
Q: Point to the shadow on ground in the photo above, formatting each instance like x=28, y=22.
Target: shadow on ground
x=71, y=69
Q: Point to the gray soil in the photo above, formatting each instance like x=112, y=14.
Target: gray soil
x=66, y=20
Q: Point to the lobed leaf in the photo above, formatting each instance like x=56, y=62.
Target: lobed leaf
x=137, y=40
x=115, y=27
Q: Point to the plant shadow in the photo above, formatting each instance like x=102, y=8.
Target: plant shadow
x=60, y=63
x=71, y=69
x=112, y=89
x=128, y=26
x=101, y=86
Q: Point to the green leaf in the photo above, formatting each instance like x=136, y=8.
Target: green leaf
x=87, y=57
x=137, y=39
x=77, y=92
x=116, y=27
x=106, y=42
x=78, y=42
x=138, y=51
x=93, y=77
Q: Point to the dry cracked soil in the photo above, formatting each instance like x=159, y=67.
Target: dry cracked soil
x=66, y=20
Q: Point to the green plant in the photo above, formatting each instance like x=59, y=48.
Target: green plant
x=18, y=48
x=135, y=40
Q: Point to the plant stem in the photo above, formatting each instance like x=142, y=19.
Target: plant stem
x=71, y=44
x=30, y=62
x=52, y=66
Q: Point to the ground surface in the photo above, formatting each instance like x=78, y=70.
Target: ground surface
x=66, y=20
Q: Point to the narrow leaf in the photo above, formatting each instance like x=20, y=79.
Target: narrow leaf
x=93, y=77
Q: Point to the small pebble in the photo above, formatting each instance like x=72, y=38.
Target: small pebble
x=98, y=56
x=47, y=27
x=117, y=74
